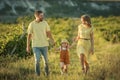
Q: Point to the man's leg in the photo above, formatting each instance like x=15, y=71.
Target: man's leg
x=36, y=52
x=44, y=51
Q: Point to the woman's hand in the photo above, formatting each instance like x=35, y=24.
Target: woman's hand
x=76, y=39
x=92, y=50
x=73, y=44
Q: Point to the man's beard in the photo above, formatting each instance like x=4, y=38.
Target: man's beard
x=41, y=19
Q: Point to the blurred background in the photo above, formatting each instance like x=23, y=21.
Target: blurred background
x=63, y=17
x=11, y=9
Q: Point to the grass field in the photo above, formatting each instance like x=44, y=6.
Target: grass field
x=104, y=65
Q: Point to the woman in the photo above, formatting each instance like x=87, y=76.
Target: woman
x=85, y=44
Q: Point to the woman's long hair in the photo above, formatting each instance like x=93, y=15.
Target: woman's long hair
x=87, y=19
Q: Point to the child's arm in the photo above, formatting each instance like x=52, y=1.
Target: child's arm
x=74, y=41
x=57, y=49
x=73, y=44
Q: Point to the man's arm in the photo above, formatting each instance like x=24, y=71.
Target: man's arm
x=49, y=35
x=28, y=43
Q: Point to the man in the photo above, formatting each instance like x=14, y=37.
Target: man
x=39, y=32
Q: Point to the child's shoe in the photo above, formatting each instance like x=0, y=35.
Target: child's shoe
x=62, y=72
x=83, y=70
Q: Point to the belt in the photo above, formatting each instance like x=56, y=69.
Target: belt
x=84, y=38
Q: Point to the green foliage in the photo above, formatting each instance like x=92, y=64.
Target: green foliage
x=106, y=67
x=108, y=27
x=10, y=37
x=105, y=29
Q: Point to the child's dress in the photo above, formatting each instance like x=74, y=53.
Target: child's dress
x=64, y=55
x=84, y=44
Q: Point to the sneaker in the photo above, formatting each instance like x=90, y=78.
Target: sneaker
x=46, y=74
x=83, y=70
x=46, y=71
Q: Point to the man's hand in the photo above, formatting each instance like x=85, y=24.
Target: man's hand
x=28, y=49
x=28, y=43
x=52, y=42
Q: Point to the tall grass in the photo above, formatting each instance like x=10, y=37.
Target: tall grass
x=104, y=65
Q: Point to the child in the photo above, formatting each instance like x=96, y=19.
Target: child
x=64, y=56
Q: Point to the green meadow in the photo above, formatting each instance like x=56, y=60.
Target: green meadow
x=16, y=64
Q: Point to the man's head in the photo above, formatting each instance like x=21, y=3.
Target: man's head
x=39, y=15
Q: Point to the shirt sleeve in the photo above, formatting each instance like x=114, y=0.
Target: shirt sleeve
x=30, y=29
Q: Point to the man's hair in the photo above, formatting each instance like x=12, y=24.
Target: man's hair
x=38, y=12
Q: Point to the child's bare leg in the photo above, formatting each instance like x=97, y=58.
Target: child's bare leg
x=65, y=68
x=82, y=61
x=62, y=67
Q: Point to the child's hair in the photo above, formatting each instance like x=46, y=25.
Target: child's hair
x=87, y=19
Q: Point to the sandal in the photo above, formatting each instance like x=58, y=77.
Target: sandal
x=83, y=70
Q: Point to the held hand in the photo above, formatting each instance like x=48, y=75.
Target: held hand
x=73, y=44
x=52, y=42
x=76, y=39
x=56, y=50
x=70, y=47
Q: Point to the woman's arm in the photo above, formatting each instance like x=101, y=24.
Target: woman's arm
x=92, y=42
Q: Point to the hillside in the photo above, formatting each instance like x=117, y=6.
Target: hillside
x=11, y=9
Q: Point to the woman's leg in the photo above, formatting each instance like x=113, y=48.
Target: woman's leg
x=82, y=60
x=86, y=66
x=44, y=51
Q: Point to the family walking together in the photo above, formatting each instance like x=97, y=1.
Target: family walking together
x=39, y=32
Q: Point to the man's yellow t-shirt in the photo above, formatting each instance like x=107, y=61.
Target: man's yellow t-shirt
x=38, y=31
